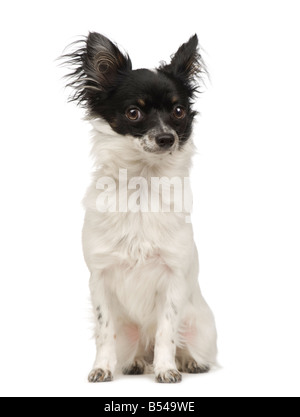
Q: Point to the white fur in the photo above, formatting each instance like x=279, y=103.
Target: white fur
x=144, y=269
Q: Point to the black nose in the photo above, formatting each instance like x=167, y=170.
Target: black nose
x=165, y=140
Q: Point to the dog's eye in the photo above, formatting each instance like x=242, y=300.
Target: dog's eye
x=134, y=114
x=179, y=112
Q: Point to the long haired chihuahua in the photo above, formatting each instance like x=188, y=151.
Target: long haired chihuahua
x=137, y=238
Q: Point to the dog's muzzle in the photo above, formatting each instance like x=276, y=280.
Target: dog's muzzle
x=165, y=140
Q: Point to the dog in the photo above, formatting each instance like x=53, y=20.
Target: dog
x=149, y=311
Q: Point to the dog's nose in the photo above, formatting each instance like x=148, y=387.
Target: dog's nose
x=165, y=140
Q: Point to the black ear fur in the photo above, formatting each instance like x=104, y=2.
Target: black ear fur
x=97, y=65
x=187, y=65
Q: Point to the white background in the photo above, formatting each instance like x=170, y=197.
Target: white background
x=245, y=180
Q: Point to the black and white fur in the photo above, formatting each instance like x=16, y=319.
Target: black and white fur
x=149, y=310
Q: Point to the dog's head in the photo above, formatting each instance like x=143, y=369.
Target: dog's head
x=154, y=106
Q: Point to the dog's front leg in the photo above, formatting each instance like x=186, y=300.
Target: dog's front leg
x=106, y=358
x=165, y=344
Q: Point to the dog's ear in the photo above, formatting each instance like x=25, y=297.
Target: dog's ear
x=104, y=61
x=187, y=64
x=96, y=65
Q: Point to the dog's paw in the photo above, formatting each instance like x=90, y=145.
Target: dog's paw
x=192, y=367
x=99, y=375
x=172, y=376
x=136, y=368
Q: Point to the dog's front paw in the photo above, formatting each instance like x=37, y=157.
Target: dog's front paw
x=171, y=376
x=100, y=375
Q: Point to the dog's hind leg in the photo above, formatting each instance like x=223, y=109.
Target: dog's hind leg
x=131, y=351
x=198, y=340
x=187, y=364
x=137, y=366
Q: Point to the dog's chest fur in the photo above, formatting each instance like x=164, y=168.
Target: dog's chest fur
x=137, y=250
